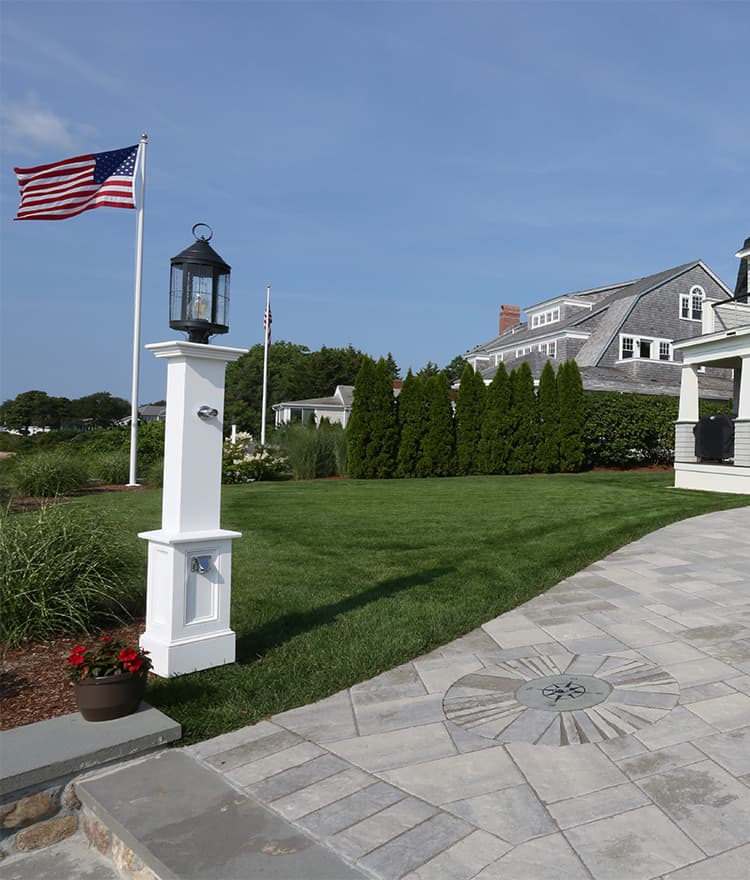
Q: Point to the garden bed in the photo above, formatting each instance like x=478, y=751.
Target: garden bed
x=34, y=684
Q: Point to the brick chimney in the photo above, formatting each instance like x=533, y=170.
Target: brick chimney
x=509, y=317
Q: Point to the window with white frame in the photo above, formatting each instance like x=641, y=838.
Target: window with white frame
x=645, y=348
x=548, y=317
x=549, y=348
x=520, y=352
x=691, y=304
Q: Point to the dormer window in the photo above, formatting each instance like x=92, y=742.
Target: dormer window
x=691, y=304
x=548, y=317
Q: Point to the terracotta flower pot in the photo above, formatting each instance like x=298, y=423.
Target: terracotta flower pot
x=110, y=696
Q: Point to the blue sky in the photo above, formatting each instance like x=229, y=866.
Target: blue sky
x=395, y=171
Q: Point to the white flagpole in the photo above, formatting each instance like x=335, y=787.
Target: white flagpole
x=267, y=327
x=137, y=315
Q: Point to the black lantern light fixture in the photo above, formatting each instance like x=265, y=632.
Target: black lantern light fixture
x=199, y=289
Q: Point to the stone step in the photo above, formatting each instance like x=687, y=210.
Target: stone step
x=61, y=747
x=183, y=821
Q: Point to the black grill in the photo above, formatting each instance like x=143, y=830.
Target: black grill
x=714, y=438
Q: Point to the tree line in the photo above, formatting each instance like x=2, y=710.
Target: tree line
x=38, y=409
x=503, y=428
x=296, y=373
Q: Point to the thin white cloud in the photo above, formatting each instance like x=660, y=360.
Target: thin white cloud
x=30, y=129
x=55, y=55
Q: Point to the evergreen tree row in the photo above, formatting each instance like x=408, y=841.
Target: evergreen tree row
x=503, y=428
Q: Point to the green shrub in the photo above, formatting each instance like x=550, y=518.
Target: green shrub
x=240, y=466
x=150, y=441
x=497, y=424
x=64, y=572
x=524, y=415
x=13, y=442
x=110, y=467
x=311, y=453
x=412, y=420
x=627, y=430
x=548, y=451
x=572, y=403
x=153, y=473
x=48, y=474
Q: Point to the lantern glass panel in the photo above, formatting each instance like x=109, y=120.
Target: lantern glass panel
x=221, y=304
x=199, y=293
x=175, y=294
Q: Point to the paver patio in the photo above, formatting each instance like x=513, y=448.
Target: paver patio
x=651, y=781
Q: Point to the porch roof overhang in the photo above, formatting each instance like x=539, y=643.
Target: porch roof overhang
x=722, y=349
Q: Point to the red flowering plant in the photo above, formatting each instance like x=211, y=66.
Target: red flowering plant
x=106, y=657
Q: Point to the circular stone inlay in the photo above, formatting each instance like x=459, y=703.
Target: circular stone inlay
x=561, y=700
x=563, y=693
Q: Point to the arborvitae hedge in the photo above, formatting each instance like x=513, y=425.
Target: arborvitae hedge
x=385, y=423
x=560, y=428
x=468, y=420
x=359, y=429
x=494, y=444
x=438, y=446
x=572, y=407
x=412, y=418
x=372, y=433
x=524, y=438
x=548, y=451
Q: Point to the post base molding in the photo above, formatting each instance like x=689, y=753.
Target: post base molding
x=190, y=655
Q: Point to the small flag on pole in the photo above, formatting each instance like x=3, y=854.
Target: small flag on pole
x=267, y=322
x=64, y=189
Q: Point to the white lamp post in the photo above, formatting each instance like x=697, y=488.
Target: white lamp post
x=190, y=557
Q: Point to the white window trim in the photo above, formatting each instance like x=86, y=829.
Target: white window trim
x=544, y=348
x=686, y=299
x=548, y=316
x=656, y=343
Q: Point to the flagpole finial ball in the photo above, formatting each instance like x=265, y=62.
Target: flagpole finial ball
x=202, y=236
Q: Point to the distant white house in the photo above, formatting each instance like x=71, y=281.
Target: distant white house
x=336, y=408
x=147, y=413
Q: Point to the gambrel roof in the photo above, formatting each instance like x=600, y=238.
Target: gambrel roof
x=609, y=307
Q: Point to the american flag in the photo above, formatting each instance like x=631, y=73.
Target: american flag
x=267, y=322
x=64, y=189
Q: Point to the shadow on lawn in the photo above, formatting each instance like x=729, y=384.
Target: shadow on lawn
x=259, y=642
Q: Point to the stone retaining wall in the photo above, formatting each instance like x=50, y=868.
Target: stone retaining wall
x=38, y=818
x=109, y=845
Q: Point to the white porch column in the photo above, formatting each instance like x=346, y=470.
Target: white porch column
x=190, y=557
x=742, y=422
x=688, y=395
x=687, y=418
x=742, y=403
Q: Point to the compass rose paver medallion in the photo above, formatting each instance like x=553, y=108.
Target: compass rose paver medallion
x=561, y=699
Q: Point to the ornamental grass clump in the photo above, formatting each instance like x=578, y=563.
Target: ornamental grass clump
x=46, y=474
x=107, y=657
x=66, y=571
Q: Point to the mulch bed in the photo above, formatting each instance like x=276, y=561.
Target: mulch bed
x=34, y=683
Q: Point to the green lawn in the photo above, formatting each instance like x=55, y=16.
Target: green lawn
x=335, y=581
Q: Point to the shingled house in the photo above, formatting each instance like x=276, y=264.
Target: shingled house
x=621, y=334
